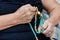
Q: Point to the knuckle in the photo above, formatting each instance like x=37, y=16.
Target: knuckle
x=28, y=13
x=49, y=29
x=30, y=17
x=28, y=5
x=29, y=20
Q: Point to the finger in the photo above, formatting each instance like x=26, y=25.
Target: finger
x=46, y=31
x=33, y=9
x=49, y=29
x=27, y=5
x=45, y=26
x=39, y=29
x=30, y=15
x=49, y=34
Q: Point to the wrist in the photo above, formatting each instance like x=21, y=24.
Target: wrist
x=53, y=21
x=55, y=16
x=17, y=17
x=14, y=18
x=49, y=22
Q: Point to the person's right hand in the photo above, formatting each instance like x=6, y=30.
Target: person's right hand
x=25, y=14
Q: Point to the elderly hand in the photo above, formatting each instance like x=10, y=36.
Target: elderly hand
x=48, y=28
x=25, y=14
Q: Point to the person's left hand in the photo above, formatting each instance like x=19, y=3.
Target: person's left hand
x=48, y=28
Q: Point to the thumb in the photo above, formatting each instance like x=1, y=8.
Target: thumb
x=33, y=9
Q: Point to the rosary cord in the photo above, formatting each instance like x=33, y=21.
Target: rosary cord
x=33, y=31
x=35, y=24
x=40, y=23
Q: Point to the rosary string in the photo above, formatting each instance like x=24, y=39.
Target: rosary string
x=35, y=25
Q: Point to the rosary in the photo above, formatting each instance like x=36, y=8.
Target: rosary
x=35, y=31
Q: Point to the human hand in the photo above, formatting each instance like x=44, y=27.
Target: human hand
x=48, y=28
x=25, y=14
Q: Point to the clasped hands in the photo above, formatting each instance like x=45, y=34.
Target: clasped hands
x=26, y=14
